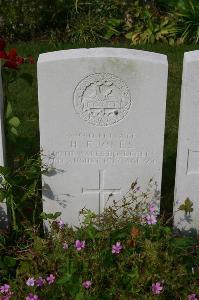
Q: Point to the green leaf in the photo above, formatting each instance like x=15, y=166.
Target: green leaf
x=2, y=196
x=2, y=265
x=167, y=230
x=91, y=232
x=79, y=296
x=14, y=131
x=134, y=274
x=8, y=110
x=14, y=121
x=9, y=261
x=30, y=192
x=182, y=243
x=4, y=171
x=171, y=42
x=63, y=280
x=57, y=214
x=187, y=206
x=129, y=35
x=46, y=216
x=27, y=77
x=114, y=22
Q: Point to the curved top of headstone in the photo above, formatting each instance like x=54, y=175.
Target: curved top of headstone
x=191, y=56
x=103, y=52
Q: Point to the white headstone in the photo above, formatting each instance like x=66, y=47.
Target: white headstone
x=3, y=208
x=102, y=118
x=187, y=166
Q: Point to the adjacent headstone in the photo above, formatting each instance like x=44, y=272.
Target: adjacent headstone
x=3, y=208
x=187, y=166
x=102, y=119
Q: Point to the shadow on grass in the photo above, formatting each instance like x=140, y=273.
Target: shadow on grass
x=168, y=185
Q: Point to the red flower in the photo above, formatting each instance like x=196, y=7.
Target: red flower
x=31, y=60
x=12, y=54
x=19, y=60
x=3, y=54
x=12, y=60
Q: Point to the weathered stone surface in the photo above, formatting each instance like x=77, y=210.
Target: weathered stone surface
x=187, y=166
x=102, y=118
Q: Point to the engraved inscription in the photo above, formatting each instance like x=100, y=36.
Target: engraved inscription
x=101, y=148
x=102, y=99
x=101, y=190
x=113, y=160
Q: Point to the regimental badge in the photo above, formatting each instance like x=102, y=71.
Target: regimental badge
x=102, y=99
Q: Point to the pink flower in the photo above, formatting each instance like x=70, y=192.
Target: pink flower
x=79, y=245
x=5, y=288
x=87, y=284
x=32, y=297
x=152, y=208
x=151, y=219
x=117, y=248
x=157, y=288
x=40, y=282
x=65, y=246
x=50, y=279
x=30, y=281
x=192, y=297
x=60, y=224
x=6, y=297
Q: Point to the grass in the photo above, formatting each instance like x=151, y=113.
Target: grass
x=26, y=105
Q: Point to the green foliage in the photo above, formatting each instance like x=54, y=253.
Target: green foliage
x=149, y=254
x=21, y=189
x=167, y=5
x=86, y=29
x=145, y=26
x=46, y=216
x=18, y=18
x=12, y=122
x=26, y=20
x=188, y=24
x=187, y=206
x=82, y=21
x=114, y=27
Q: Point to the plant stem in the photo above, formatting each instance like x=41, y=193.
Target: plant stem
x=14, y=222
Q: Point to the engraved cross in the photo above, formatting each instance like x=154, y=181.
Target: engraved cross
x=101, y=190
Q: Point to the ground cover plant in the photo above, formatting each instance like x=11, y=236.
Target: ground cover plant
x=127, y=252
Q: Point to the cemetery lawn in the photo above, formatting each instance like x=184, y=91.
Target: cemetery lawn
x=25, y=105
